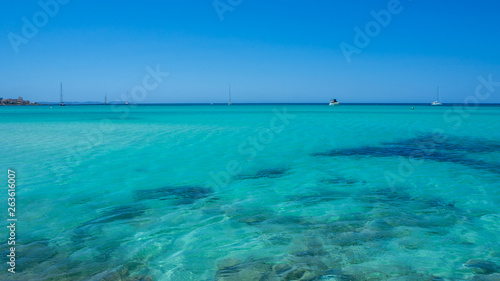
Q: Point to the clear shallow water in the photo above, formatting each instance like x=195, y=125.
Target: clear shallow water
x=354, y=192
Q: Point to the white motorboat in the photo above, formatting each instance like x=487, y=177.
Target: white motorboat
x=334, y=102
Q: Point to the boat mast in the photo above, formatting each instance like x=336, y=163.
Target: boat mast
x=61, y=97
x=105, y=98
x=229, y=103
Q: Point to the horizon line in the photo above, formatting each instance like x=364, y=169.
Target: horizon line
x=256, y=103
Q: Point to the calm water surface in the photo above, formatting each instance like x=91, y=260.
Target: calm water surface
x=253, y=192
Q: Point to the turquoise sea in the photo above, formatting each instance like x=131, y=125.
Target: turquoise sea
x=253, y=192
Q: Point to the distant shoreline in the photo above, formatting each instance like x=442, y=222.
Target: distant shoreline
x=31, y=104
x=18, y=101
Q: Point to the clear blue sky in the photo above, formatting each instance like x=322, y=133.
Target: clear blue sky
x=270, y=51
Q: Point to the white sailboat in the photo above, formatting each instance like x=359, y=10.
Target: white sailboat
x=437, y=101
x=229, y=102
x=61, y=97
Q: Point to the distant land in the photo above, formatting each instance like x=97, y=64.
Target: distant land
x=18, y=101
x=80, y=103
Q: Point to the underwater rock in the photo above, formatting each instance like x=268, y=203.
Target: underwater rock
x=317, y=196
x=209, y=202
x=248, y=216
x=91, y=230
x=312, y=253
x=450, y=143
x=439, y=203
x=132, y=267
x=271, y=173
x=482, y=266
x=411, y=244
x=381, y=224
x=404, y=219
x=441, y=220
x=290, y=220
x=252, y=270
x=345, y=226
x=281, y=240
x=295, y=274
x=228, y=271
x=281, y=268
x=265, y=173
x=419, y=277
x=34, y=253
x=181, y=194
x=428, y=148
x=388, y=195
x=142, y=278
x=349, y=239
x=82, y=234
x=400, y=210
x=154, y=247
x=334, y=275
x=124, y=212
x=341, y=181
x=383, y=272
x=253, y=219
x=213, y=211
x=365, y=273
x=126, y=272
x=491, y=277
x=221, y=264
